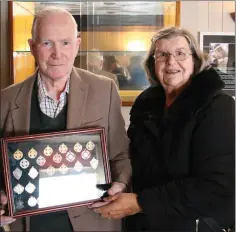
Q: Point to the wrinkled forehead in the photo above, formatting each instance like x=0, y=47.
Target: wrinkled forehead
x=172, y=44
x=55, y=25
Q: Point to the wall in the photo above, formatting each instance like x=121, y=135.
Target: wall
x=204, y=16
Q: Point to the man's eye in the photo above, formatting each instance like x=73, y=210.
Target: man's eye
x=66, y=43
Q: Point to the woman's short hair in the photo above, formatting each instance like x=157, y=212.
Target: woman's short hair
x=201, y=60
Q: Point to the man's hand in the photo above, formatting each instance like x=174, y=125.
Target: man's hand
x=116, y=187
x=121, y=205
x=4, y=220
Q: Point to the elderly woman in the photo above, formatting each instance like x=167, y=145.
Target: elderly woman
x=182, y=144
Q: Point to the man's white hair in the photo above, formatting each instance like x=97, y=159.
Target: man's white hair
x=48, y=11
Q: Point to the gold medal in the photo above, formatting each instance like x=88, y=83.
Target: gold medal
x=48, y=151
x=90, y=146
x=78, y=147
x=63, y=148
x=32, y=153
x=18, y=154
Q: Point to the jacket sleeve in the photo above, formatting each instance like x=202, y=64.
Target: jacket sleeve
x=118, y=141
x=210, y=186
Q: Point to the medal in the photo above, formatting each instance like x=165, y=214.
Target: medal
x=33, y=172
x=63, y=148
x=63, y=169
x=57, y=158
x=32, y=201
x=50, y=170
x=41, y=161
x=18, y=189
x=70, y=156
x=78, y=147
x=78, y=166
x=94, y=163
x=48, y=151
x=90, y=146
x=85, y=154
x=18, y=154
x=24, y=163
x=19, y=204
x=30, y=188
x=32, y=153
x=17, y=173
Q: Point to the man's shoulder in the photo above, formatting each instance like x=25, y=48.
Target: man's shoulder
x=92, y=78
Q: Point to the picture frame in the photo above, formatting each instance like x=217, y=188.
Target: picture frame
x=55, y=171
x=220, y=46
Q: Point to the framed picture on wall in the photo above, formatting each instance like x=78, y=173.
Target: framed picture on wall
x=50, y=172
x=221, y=48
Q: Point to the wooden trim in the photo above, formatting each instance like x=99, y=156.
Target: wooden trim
x=178, y=13
x=10, y=42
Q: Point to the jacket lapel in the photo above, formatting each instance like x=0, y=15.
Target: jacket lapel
x=76, y=101
x=20, y=111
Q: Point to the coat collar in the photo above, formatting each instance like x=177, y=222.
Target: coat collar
x=203, y=87
x=20, y=109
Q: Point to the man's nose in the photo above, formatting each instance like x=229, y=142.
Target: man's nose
x=56, y=54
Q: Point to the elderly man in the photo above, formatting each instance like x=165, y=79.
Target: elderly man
x=60, y=97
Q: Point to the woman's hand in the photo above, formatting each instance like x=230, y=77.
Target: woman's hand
x=120, y=205
x=4, y=220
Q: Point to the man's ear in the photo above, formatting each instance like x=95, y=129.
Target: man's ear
x=78, y=41
x=31, y=45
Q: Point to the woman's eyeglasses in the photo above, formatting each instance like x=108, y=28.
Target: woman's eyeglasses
x=164, y=56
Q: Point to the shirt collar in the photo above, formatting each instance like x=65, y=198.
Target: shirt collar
x=42, y=91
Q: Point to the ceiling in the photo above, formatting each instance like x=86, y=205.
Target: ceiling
x=105, y=8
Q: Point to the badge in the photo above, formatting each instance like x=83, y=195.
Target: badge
x=70, y=156
x=63, y=169
x=85, y=154
x=94, y=163
x=32, y=153
x=50, y=170
x=33, y=172
x=48, y=151
x=24, y=163
x=30, y=188
x=78, y=147
x=18, y=189
x=41, y=161
x=17, y=173
x=57, y=158
x=78, y=166
x=19, y=204
x=63, y=148
x=18, y=154
x=90, y=146
x=32, y=201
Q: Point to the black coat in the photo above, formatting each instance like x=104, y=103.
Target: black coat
x=183, y=159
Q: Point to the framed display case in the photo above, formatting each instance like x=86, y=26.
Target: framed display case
x=220, y=46
x=51, y=172
x=119, y=30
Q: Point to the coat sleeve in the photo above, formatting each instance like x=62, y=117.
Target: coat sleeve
x=118, y=141
x=209, y=189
